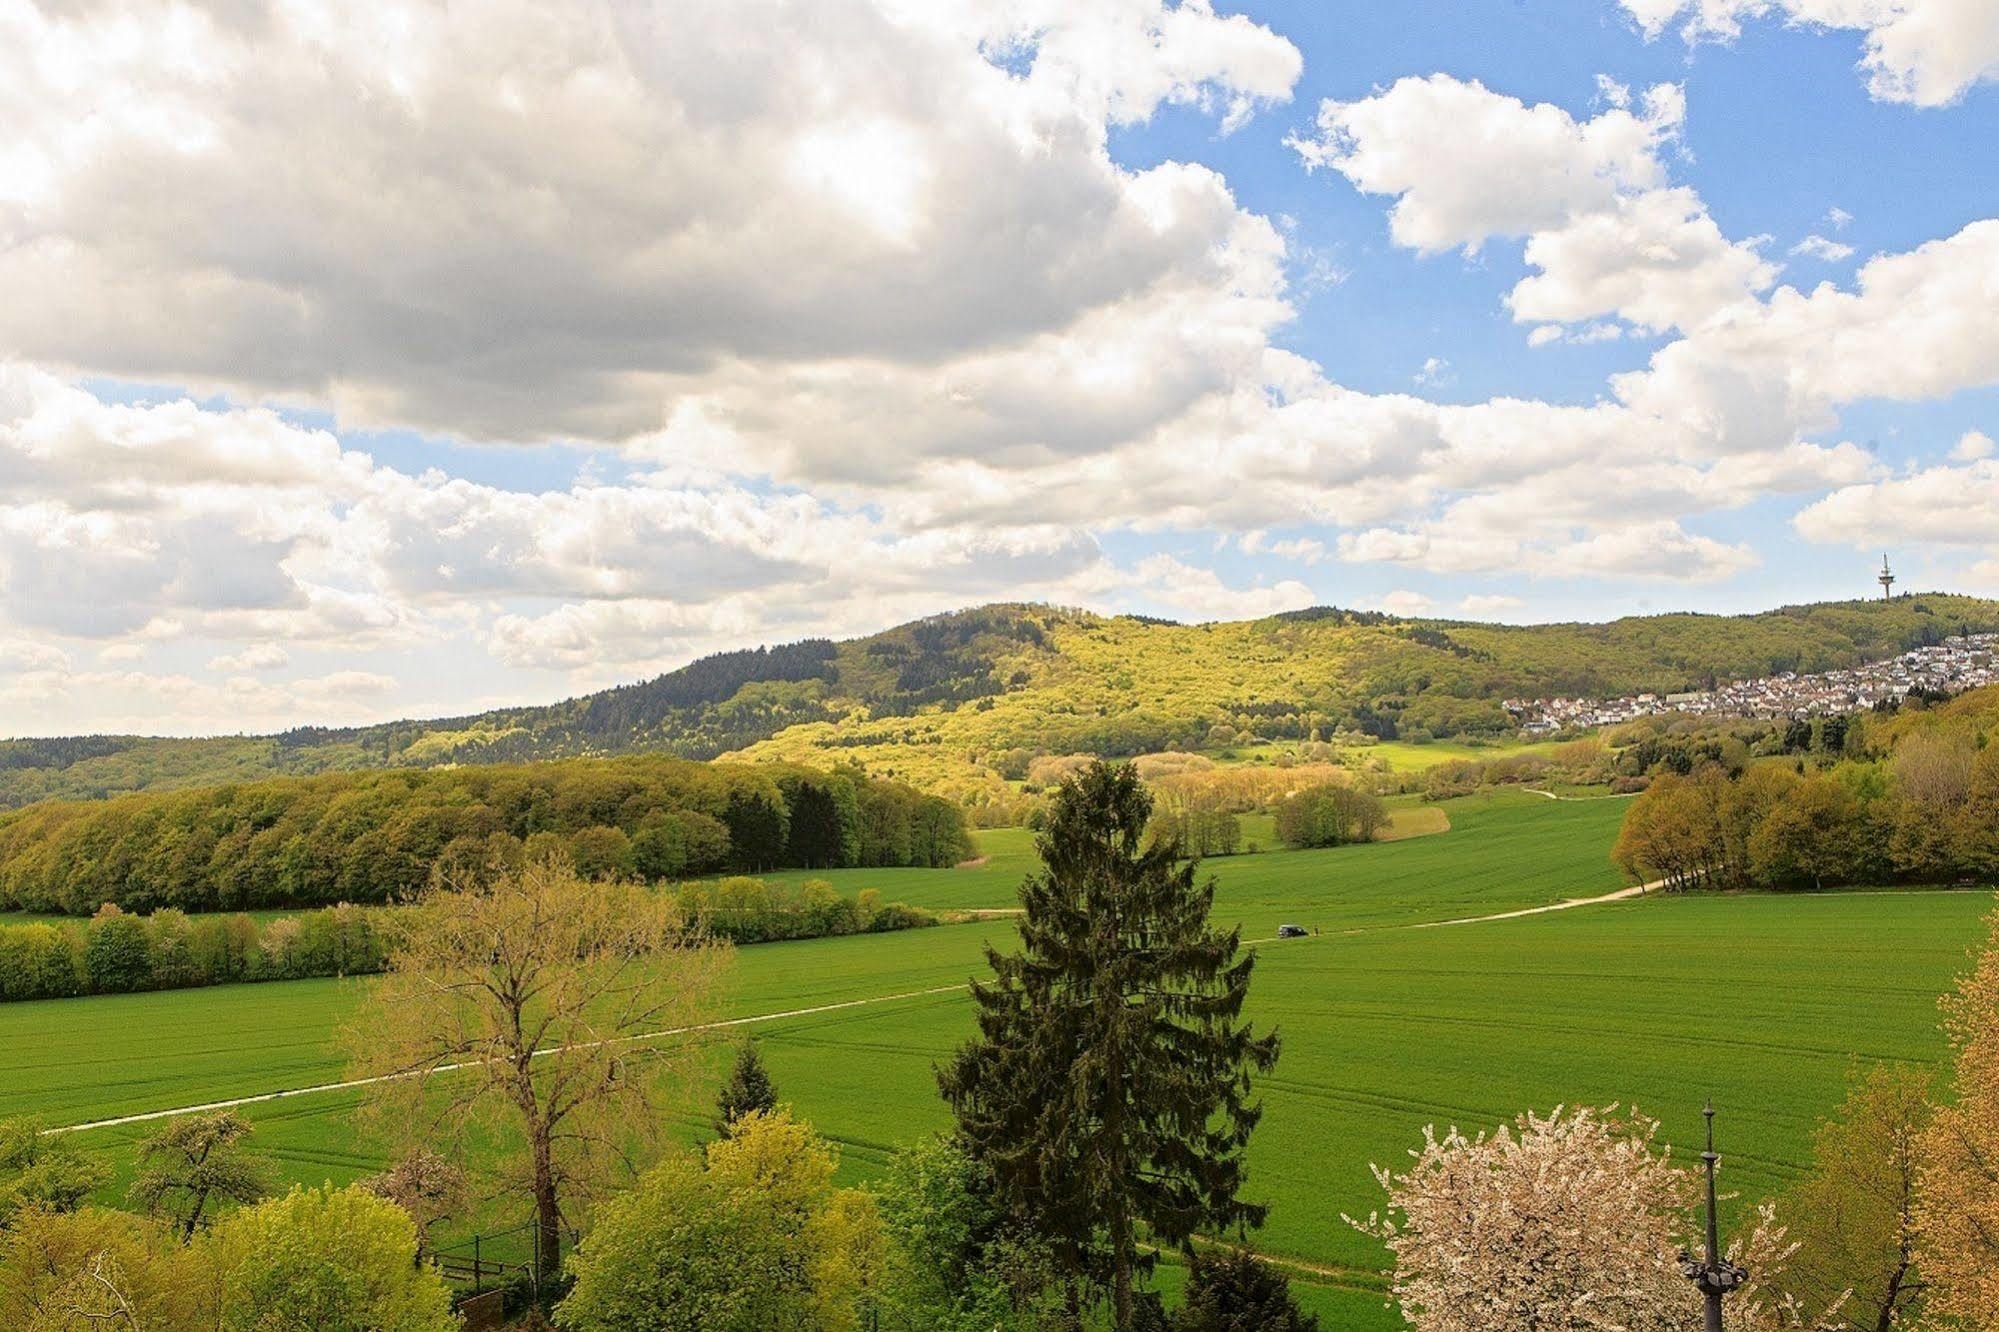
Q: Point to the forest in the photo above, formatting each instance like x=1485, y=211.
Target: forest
x=958, y=703
x=1904, y=795
x=386, y=836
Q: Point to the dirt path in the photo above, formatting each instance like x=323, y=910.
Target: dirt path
x=1550, y=795
x=352, y=1084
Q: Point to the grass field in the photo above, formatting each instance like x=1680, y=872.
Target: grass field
x=1762, y=1002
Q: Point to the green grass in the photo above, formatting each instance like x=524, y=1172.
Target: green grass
x=1505, y=849
x=1761, y=1001
x=1406, y=756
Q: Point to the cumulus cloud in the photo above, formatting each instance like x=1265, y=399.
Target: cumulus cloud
x=1923, y=52
x=1914, y=325
x=1605, y=231
x=1402, y=601
x=1971, y=446
x=857, y=314
x=1489, y=605
x=1949, y=505
x=528, y=221
x=1823, y=249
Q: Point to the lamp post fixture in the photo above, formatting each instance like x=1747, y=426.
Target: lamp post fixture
x=1714, y=1274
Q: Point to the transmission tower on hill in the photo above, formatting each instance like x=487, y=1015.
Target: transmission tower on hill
x=1886, y=579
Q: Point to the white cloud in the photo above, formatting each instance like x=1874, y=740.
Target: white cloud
x=1605, y=231
x=1200, y=594
x=1838, y=218
x=1820, y=248
x=1913, y=326
x=1603, y=330
x=1303, y=550
x=856, y=346
x=1971, y=446
x=1436, y=371
x=1489, y=605
x=528, y=221
x=1924, y=52
x=1402, y=601
x=1947, y=505
x=256, y=657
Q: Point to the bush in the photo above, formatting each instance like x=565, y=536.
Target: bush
x=321, y=1258
x=117, y=959
x=756, y=1237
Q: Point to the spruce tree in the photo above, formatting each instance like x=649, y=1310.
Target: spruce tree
x=749, y=1088
x=1235, y=1291
x=1108, y=1088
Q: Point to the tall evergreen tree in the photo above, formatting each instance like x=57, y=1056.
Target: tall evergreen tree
x=749, y=1088
x=1108, y=1088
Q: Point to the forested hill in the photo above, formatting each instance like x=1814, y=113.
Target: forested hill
x=957, y=702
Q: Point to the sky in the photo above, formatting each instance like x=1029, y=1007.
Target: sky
x=409, y=359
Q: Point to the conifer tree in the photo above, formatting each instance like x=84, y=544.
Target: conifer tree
x=1235, y=1291
x=749, y=1088
x=1108, y=1088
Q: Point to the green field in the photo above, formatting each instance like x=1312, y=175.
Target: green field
x=1760, y=1001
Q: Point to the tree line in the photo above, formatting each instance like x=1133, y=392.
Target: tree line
x=373, y=837
x=118, y=953
x=1102, y=1111
x=1929, y=812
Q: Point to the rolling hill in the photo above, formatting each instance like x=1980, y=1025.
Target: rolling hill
x=958, y=703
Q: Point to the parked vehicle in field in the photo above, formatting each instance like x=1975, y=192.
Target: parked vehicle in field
x=1291, y=931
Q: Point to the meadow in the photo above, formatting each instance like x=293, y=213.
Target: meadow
x=1762, y=1002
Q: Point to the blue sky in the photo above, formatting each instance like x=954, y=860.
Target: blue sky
x=422, y=362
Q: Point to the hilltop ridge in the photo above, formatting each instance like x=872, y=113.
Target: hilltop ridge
x=962, y=701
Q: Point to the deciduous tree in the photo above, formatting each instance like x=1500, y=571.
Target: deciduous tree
x=193, y=1163
x=45, y=1170
x=1853, y=1217
x=1108, y=1088
x=538, y=1014
x=426, y=1185
x=319, y=1259
x=753, y=1237
x=1958, y=1207
x=1568, y=1222
x=95, y=1269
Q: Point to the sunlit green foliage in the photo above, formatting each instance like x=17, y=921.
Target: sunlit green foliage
x=961, y=704
x=380, y=837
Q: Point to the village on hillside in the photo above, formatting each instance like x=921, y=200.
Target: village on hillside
x=1956, y=664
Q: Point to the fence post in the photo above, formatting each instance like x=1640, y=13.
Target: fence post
x=478, y=1270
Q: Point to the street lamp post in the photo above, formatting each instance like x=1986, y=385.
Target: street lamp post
x=1714, y=1274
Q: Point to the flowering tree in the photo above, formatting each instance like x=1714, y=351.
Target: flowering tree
x=1569, y=1222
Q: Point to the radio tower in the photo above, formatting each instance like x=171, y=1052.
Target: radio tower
x=1886, y=579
